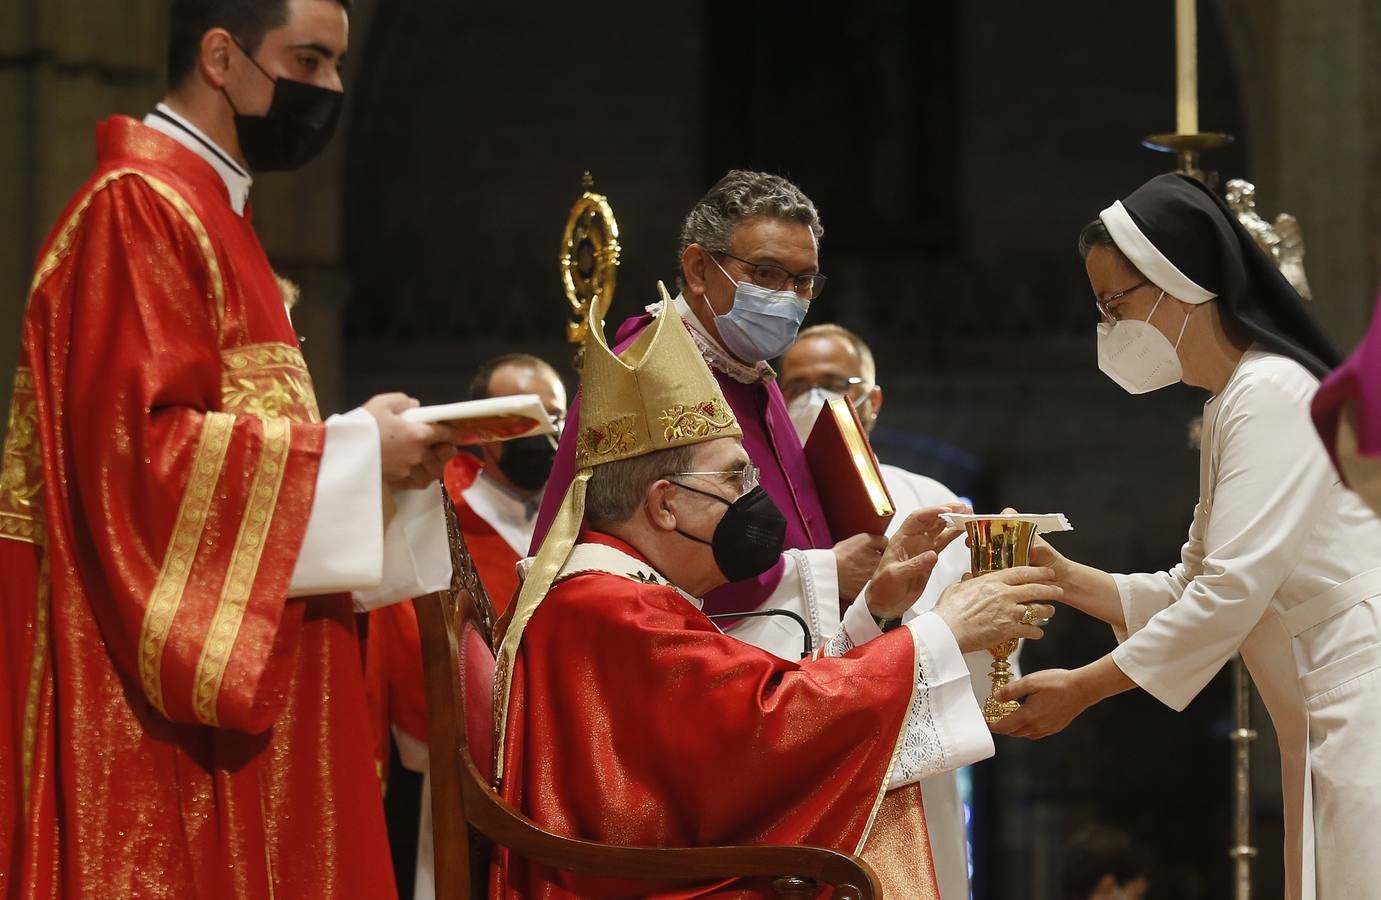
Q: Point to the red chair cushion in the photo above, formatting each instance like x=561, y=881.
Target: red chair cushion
x=477, y=698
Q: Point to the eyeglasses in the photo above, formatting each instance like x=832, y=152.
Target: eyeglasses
x=836, y=384
x=747, y=476
x=1104, y=305
x=774, y=278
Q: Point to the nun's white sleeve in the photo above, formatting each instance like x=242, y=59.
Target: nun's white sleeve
x=1271, y=483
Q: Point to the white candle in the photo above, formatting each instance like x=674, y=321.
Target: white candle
x=1186, y=68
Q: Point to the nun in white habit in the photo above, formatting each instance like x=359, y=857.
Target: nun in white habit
x=1282, y=563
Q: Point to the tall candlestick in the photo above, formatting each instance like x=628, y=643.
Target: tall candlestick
x=1186, y=68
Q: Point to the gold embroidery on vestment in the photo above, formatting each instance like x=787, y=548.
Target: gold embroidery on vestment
x=268, y=381
x=21, y=465
x=682, y=422
x=36, y=668
x=615, y=437
x=244, y=566
x=216, y=431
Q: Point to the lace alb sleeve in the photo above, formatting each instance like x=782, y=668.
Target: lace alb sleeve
x=857, y=627
x=944, y=727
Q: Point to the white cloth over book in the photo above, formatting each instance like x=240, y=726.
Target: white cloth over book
x=351, y=545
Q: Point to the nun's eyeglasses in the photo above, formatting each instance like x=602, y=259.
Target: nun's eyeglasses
x=1105, y=304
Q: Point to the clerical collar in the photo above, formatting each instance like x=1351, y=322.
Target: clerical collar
x=237, y=180
x=715, y=354
x=598, y=552
x=512, y=516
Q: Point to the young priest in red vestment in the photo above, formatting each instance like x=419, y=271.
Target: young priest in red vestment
x=625, y=716
x=183, y=543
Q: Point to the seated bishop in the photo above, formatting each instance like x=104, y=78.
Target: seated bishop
x=625, y=716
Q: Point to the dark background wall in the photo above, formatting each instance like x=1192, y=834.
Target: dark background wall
x=954, y=150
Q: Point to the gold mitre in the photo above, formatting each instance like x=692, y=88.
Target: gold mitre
x=656, y=395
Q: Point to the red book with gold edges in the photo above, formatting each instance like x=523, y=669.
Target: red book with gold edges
x=847, y=477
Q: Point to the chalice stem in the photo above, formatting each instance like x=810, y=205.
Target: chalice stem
x=1001, y=674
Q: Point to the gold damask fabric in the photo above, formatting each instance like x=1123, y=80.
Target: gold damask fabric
x=898, y=847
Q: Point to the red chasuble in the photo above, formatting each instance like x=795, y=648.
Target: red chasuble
x=173, y=725
x=632, y=720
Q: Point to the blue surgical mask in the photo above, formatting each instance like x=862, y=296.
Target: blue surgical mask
x=762, y=323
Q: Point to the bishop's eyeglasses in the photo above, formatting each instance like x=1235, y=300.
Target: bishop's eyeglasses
x=747, y=477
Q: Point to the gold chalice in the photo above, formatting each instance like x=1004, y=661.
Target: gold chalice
x=999, y=542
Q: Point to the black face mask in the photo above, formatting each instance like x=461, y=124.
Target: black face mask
x=748, y=540
x=299, y=124
x=527, y=461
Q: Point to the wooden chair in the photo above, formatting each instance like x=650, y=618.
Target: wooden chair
x=469, y=817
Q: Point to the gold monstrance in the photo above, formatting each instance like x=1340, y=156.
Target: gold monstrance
x=589, y=261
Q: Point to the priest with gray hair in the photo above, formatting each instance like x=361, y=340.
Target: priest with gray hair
x=748, y=270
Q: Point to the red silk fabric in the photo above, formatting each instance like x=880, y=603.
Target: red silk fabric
x=494, y=559
x=634, y=721
x=184, y=730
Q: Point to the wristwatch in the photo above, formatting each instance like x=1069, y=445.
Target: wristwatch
x=886, y=625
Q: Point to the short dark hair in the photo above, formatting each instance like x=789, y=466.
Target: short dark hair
x=479, y=385
x=867, y=367
x=1095, y=234
x=1097, y=851
x=247, y=20
x=616, y=489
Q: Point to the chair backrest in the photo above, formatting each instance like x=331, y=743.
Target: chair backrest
x=456, y=629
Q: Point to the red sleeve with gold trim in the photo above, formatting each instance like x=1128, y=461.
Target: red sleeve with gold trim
x=181, y=524
x=633, y=721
